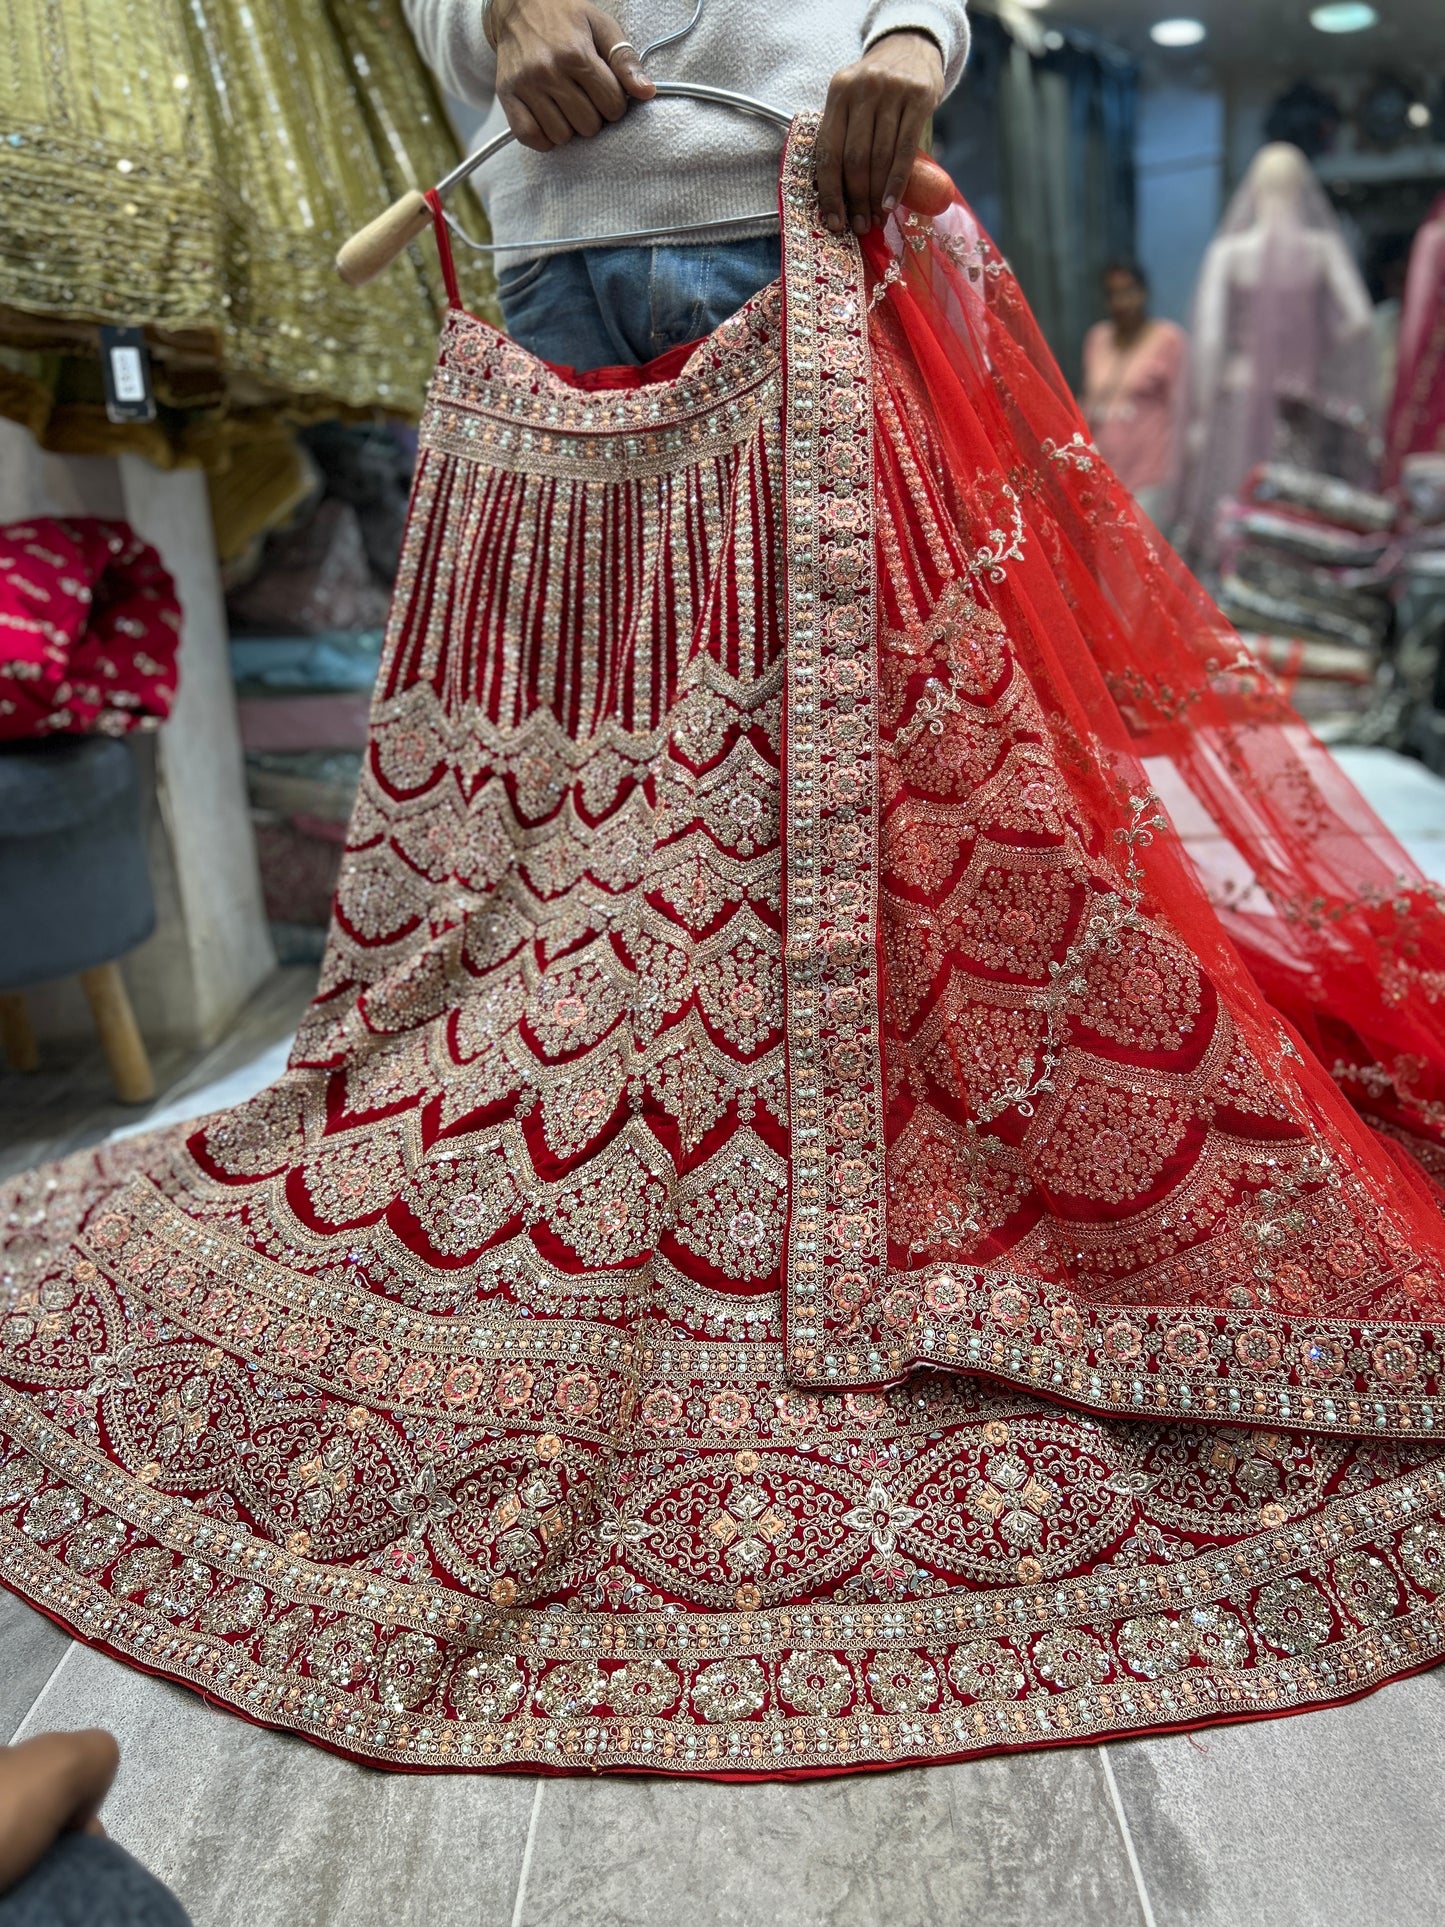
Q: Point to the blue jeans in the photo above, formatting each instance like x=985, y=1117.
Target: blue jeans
x=603, y=307
x=84, y=1881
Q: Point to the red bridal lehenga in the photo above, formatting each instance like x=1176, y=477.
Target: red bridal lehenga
x=861, y=1183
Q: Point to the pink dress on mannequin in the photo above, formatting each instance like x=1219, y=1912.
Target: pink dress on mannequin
x=1280, y=311
x=1417, y=412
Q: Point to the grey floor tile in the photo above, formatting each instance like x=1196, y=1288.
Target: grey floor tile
x=1319, y=1820
x=67, y=1104
x=31, y=1647
x=254, y=1829
x=1012, y=1842
x=271, y=1015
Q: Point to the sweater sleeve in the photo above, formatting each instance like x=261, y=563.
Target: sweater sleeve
x=449, y=34
x=945, y=21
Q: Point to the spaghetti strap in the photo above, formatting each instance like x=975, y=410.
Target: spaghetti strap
x=444, y=248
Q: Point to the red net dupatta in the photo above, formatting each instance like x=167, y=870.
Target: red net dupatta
x=1114, y=1015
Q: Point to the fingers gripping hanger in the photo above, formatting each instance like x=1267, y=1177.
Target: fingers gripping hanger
x=377, y=245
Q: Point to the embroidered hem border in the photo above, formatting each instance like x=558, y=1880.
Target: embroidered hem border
x=837, y=1204
x=1319, y=1374
x=738, y=1672
x=1156, y=1362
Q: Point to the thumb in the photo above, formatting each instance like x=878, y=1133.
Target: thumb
x=607, y=35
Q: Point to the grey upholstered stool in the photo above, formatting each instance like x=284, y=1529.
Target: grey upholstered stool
x=75, y=891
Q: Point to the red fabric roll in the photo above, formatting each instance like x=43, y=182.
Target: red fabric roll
x=89, y=630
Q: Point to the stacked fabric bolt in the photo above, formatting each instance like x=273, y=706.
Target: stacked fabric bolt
x=89, y=630
x=306, y=642
x=303, y=705
x=1419, y=668
x=1308, y=566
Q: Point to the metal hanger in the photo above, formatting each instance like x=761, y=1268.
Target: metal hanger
x=379, y=243
x=666, y=89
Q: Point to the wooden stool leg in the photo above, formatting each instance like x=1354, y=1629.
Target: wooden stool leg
x=130, y=1068
x=17, y=1039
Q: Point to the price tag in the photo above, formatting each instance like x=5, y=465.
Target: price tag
x=125, y=365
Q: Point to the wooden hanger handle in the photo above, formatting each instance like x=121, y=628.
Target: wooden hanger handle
x=377, y=245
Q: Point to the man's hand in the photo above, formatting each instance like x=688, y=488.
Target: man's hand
x=554, y=78
x=876, y=113
x=48, y=1786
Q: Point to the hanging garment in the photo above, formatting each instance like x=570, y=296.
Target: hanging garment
x=192, y=168
x=1416, y=422
x=806, y=1227
x=89, y=630
x=1281, y=319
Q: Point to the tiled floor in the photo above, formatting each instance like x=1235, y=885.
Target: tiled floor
x=67, y=1104
x=1313, y=1822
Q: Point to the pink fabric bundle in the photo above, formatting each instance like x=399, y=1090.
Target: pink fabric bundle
x=89, y=630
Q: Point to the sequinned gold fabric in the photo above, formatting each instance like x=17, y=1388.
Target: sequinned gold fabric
x=193, y=169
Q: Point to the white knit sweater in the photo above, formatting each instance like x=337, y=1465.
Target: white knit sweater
x=671, y=161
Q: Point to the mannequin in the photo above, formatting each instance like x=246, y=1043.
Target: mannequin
x=1280, y=309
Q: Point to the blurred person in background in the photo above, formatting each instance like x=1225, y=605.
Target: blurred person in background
x=1133, y=371
x=1385, y=278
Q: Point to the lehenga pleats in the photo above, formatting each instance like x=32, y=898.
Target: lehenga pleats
x=776, y=1067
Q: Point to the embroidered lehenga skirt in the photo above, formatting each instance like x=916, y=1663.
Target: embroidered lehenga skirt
x=858, y=1187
